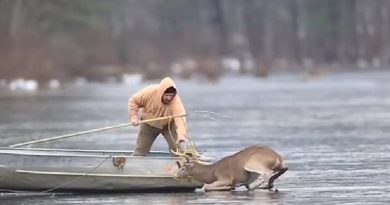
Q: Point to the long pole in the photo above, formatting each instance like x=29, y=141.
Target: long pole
x=91, y=131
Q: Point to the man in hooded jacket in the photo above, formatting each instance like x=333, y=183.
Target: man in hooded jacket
x=154, y=101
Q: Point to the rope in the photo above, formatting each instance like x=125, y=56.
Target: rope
x=91, y=131
x=56, y=187
x=207, y=114
x=76, y=178
x=170, y=129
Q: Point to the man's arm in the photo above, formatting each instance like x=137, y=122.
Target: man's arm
x=133, y=108
x=137, y=101
x=180, y=122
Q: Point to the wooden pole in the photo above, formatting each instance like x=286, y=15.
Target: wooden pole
x=92, y=131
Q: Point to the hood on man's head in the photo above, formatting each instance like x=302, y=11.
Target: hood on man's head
x=170, y=90
x=166, y=84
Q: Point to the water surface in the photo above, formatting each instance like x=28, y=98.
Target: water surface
x=333, y=133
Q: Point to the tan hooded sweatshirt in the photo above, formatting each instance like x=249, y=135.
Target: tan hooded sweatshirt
x=149, y=99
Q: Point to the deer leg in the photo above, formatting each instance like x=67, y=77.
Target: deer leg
x=262, y=182
x=257, y=182
x=266, y=185
x=251, y=178
x=260, y=178
x=275, y=176
x=218, y=186
x=270, y=177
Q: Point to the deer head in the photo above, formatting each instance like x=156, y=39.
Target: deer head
x=184, y=170
x=186, y=157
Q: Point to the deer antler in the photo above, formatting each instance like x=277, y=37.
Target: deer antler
x=193, y=150
x=187, y=154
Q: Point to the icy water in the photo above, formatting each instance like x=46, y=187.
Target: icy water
x=333, y=133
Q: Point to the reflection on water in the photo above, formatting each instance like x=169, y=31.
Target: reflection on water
x=197, y=197
x=333, y=134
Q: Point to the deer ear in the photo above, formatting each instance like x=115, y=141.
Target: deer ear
x=178, y=164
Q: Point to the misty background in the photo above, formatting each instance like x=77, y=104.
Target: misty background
x=309, y=78
x=100, y=40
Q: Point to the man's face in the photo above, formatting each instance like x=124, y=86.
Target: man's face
x=167, y=98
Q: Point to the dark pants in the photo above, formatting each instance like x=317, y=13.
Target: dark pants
x=147, y=135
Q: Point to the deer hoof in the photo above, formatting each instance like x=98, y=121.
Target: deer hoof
x=273, y=191
x=265, y=186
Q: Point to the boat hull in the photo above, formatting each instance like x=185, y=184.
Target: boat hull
x=58, y=170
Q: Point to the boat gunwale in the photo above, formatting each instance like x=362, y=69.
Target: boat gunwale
x=88, y=153
x=21, y=171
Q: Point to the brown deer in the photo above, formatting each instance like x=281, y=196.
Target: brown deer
x=255, y=167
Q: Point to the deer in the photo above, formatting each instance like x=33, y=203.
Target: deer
x=255, y=167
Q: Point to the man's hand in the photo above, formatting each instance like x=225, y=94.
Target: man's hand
x=134, y=123
x=182, y=144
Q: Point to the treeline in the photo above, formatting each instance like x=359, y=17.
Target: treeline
x=46, y=39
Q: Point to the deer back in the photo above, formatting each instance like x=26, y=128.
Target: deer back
x=262, y=158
